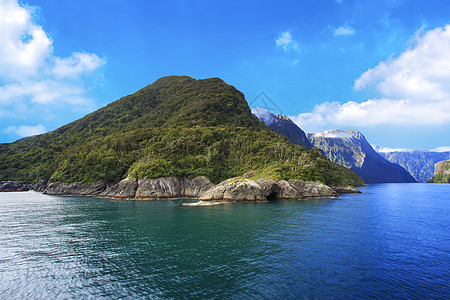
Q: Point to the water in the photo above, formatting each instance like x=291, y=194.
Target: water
x=392, y=241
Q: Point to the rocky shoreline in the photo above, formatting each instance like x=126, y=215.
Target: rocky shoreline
x=200, y=188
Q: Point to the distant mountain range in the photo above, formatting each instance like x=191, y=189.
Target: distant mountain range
x=419, y=163
x=346, y=148
x=351, y=149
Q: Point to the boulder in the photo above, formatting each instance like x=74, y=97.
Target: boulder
x=312, y=189
x=123, y=189
x=172, y=188
x=235, y=189
x=76, y=188
x=193, y=188
x=287, y=191
x=345, y=189
x=14, y=186
x=270, y=188
x=41, y=186
x=164, y=187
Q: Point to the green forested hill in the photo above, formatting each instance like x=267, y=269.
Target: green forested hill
x=177, y=126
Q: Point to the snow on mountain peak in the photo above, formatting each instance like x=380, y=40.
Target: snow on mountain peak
x=264, y=115
x=336, y=133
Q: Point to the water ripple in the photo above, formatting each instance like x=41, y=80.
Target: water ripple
x=377, y=244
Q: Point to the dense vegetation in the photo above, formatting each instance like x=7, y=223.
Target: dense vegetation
x=177, y=126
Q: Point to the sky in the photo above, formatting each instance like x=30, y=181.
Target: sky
x=381, y=67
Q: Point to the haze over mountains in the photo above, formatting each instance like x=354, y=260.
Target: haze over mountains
x=419, y=163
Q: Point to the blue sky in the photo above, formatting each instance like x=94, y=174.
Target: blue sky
x=381, y=67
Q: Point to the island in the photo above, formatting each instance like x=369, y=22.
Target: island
x=176, y=138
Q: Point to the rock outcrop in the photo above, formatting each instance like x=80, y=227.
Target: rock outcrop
x=236, y=189
x=172, y=188
x=159, y=188
x=297, y=189
x=244, y=189
x=14, y=186
x=75, y=189
x=123, y=189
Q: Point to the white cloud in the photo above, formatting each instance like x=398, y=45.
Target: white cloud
x=413, y=89
x=372, y=113
x=286, y=42
x=30, y=73
x=24, y=46
x=422, y=72
x=387, y=149
x=77, y=64
x=344, y=30
x=442, y=149
x=43, y=92
x=24, y=131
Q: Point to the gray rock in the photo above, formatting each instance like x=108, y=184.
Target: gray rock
x=312, y=189
x=165, y=187
x=172, y=188
x=41, y=186
x=76, y=188
x=14, y=186
x=287, y=191
x=270, y=188
x=345, y=189
x=235, y=189
x=193, y=188
x=123, y=189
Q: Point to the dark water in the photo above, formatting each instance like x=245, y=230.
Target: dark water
x=392, y=241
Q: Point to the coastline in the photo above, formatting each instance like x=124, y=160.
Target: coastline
x=238, y=189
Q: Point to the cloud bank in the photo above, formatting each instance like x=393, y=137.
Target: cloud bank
x=30, y=73
x=413, y=89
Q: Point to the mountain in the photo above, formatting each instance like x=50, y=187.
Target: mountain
x=351, y=150
x=177, y=127
x=441, y=172
x=282, y=125
x=419, y=163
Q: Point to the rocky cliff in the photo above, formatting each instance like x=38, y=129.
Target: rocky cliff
x=419, y=163
x=441, y=172
x=282, y=125
x=351, y=150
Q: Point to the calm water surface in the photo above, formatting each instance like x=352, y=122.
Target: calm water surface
x=392, y=241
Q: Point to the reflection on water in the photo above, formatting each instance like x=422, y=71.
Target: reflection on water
x=391, y=241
